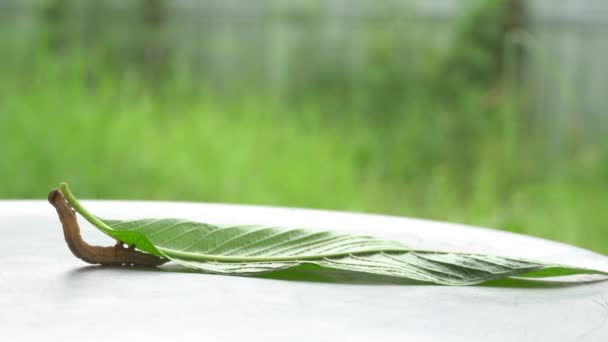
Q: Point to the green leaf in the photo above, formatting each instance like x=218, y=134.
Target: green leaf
x=248, y=250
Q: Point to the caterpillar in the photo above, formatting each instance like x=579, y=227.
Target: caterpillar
x=117, y=255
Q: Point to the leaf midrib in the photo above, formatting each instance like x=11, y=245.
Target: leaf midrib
x=223, y=258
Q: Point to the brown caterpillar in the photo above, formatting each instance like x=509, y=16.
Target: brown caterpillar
x=115, y=255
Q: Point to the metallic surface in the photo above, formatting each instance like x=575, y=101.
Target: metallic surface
x=46, y=294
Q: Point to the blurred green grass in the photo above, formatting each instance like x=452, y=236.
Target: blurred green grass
x=118, y=138
x=442, y=134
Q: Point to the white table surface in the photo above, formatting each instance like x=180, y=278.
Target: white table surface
x=46, y=294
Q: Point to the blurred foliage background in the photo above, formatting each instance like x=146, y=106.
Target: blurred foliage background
x=292, y=105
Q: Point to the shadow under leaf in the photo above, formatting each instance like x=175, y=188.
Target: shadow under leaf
x=318, y=274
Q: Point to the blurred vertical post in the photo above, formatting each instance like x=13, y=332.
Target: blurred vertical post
x=54, y=28
x=515, y=22
x=154, y=51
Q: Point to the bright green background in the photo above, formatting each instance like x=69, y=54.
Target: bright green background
x=441, y=133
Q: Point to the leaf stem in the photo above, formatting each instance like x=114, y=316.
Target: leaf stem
x=74, y=203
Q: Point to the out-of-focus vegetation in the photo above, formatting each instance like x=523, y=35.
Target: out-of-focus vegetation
x=421, y=130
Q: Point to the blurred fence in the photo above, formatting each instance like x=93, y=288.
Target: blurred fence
x=271, y=43
x=568, y=58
